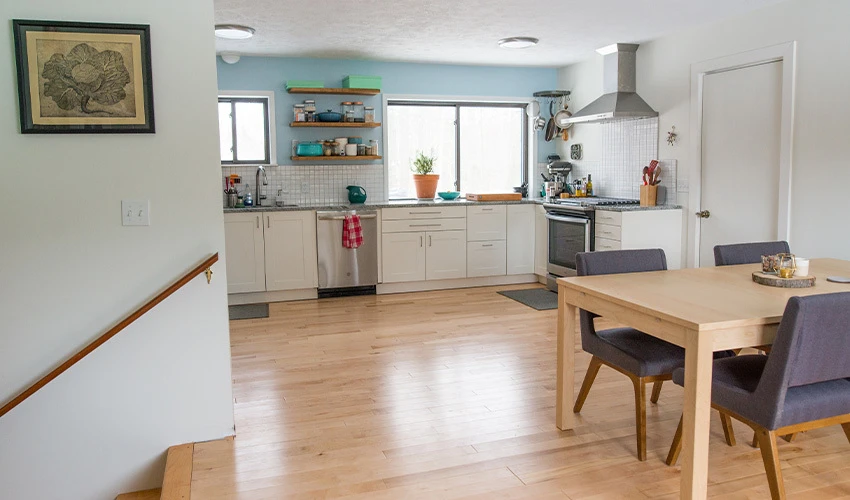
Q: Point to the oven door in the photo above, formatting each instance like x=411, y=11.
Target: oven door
x=568, y=235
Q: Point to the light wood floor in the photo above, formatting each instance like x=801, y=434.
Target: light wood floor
x=450, y=394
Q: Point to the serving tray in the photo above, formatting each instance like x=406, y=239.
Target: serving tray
x=774, y=280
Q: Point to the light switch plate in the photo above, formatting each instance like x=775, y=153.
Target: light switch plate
x=135, y=213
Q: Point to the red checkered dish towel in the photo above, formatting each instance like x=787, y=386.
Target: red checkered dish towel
x=352, y=232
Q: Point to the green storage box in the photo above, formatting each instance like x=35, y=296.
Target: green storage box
x=304, y=84
x=362, y=82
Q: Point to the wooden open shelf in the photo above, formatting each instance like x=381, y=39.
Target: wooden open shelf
x=336, y=124
x=299, y=90
x=336, y=158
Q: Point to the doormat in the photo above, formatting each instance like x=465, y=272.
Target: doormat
x=248, y=311
x=538, y=298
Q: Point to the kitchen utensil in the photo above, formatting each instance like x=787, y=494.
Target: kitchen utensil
x=309, y=149
x=645, y=178
x=329, y=116
x=449, y=195
x=356, y=194
x=656, y=176
x=544, y=177
x=551, y=129
x=561, y=118
x=494, y=197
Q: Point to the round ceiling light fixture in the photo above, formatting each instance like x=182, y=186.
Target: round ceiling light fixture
x=233, y=31
x=518, y=42
x=230, y=57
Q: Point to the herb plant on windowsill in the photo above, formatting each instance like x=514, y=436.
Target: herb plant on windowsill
x=423, y=176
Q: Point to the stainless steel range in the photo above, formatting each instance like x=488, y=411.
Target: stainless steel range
x=571, y=231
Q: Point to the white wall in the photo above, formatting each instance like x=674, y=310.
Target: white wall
x=822, y=122
x=69, y=270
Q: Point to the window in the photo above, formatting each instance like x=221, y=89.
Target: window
x=480, y=147
x=244, y=125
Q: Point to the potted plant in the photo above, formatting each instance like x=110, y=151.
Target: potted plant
x=423, y=176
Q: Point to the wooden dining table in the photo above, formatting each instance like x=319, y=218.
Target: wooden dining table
x=703, y=310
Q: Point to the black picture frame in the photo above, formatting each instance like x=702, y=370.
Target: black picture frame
x=83, y=78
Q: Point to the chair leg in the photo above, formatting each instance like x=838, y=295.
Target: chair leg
x=846, y=427
x=770, y=455
x=728, y=431
x=676, y=445
x=640, y=416
x=592, y=370
x=656, y=391
x=789, y=437
x=755, y=443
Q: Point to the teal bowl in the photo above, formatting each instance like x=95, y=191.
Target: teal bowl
x=449, y=195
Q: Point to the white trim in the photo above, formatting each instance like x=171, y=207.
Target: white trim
x=272, y=125
x=423, y=286
x=787, y=54
x=235, y=299
x=531, y=138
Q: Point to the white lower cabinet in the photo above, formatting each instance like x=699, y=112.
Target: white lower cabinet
x=403, y=256
x=541, y=241
x=244, y=253
x=485, y=258
x=641, y=229
x=445, y=255
x=520, y=239
x=290, y=240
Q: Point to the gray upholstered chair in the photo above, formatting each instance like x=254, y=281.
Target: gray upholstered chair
x=804, y=383
x=641, y=357
x=747, y=253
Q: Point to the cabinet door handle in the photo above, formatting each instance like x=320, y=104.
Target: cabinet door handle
x=428, y=213
x=485, y=246
x=424, y=225
x=429, y=240
x=258, y=222
x=486, y=209
x=269, y=221
x=421, y=240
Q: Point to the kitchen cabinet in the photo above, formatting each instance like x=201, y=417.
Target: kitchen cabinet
x=641, y=229
x=485, y=258
x=445, y=255
x=290, y=248
x=521, y=226
x=485, y=223
x=541, y=241
x=403, y=257
x=244, y=250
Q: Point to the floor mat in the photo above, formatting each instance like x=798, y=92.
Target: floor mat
x=538, y=298
x=248, y=311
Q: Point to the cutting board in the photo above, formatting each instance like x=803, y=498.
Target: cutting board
x=494, y=197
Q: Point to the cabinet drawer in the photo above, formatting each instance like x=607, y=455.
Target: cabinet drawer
x=486, y=258
x=406, y=226
x=603, y=244
x=422, y=213
x=611, y=218
x=609, y=232
x=486, y=223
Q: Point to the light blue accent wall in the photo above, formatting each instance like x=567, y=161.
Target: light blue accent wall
x=271, y=74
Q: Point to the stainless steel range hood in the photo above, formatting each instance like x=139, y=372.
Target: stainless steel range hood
x=620, y=100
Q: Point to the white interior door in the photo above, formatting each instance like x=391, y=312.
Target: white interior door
x=742, y=114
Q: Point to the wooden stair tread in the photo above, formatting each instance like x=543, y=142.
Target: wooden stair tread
x=153, y=494
x=177, y=483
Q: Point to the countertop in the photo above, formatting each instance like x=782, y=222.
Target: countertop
x=430, y=203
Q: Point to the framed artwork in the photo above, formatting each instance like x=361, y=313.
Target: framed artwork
x=83, y=77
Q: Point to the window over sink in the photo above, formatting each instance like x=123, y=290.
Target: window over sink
x=481, y=147
x=245, y=128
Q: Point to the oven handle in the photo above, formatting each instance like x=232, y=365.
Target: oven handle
x=562, y=218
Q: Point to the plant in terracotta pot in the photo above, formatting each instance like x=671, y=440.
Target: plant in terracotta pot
x=424, y=177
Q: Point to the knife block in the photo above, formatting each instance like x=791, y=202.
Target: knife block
x=648, y=195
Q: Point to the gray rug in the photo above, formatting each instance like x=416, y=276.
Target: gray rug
x=538, y=298
x=248, y=311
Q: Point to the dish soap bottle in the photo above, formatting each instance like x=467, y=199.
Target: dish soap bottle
x=249, y=200
x=589, y=187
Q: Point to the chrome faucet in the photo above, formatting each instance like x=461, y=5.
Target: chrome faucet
x=258, y=195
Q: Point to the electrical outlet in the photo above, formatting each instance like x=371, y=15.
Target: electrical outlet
x=682, y=185
x=135, y=213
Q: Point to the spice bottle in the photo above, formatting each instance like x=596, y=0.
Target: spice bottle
x=369, y=114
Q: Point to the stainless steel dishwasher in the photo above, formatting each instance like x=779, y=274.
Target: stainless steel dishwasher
x=346, y=271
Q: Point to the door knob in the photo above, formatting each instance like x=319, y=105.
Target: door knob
x=704, y=214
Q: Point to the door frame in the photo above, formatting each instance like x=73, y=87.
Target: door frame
x=785, y=53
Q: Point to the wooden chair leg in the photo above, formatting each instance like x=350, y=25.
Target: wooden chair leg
x=728, y=431
x=640, y=417
x=676, y=446
x=755, y=443
x=789, y=437
x=770, y=455
x=592, y=370
x=846, y=427
x=656, y=391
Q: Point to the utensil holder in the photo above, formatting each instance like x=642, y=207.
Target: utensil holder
x=231, y=200
x=648, y=195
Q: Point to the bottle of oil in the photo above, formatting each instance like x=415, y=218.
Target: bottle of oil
x=589, y=187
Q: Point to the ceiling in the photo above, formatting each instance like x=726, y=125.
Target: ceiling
x=460, y=31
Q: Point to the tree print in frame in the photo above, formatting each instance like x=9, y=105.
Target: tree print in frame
x=83, y=77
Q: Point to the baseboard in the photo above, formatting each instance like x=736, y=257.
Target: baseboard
x=238, y=299
x=424, y=286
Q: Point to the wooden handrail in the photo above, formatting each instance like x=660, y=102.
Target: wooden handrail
x=200, y=268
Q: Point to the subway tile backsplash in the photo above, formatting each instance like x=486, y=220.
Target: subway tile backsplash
x=313, y=184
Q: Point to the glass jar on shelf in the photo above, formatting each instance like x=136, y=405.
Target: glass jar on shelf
x=373, y=148
x=347, y=111
x=299, y=115
x=359, y=111
x=310, y=110
x=369, y=114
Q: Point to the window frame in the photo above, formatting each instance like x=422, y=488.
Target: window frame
x=528, y=144
x=267, y=99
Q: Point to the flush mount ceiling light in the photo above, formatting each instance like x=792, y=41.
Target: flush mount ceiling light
x=230, y=57
x=233, y=31
x=518, y=42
